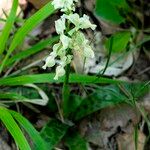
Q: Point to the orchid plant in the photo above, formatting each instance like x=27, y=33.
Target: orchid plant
x=69, y=28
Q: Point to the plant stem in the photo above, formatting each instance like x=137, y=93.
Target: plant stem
x=66, y=91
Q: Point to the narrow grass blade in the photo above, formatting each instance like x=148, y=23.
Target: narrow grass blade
x=33, y=50
x=8, y=26
x=13, y=128
x=39, y=143
x=49, y=78
x=30, y=24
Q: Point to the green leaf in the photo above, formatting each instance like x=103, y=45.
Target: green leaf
x=39, y=143
x=109, y=96
x=30, y=24
x=12, y=96
x=110, y=10
x=121, y=39
x=73, y=103
x=135, y=90
x=13, y=128
x=53, y=132
x=49, y=78
x=75, y=142
x=32, y=94
x=33, y=50
x=43, y=100
x=101, y=98
x=8, y=26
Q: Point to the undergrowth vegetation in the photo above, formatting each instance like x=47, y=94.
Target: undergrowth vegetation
x=68, y=96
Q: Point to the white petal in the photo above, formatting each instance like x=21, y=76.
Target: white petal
x=60, y=26
x=56, y=47
x=74, y=18
x=88, y=52
x=49, y=62
x=85, y=23
x=66, y=60
x=64, y=5
x=60, y=71
x=65, y=41
x=57, y=4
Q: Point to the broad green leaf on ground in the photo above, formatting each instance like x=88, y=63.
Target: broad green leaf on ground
x=111, y=10
x=49, y=78
x=121, y=39
x=74, y=141
x=13, y=128
x=135, y=91
x=109, y=96
x=8, y=26
x=73, y=103
x=30, y=24
x=101, y=98
x=33, y=50
x=9, y=97
x=39, y=143
x=53, y=132
x=33, y=94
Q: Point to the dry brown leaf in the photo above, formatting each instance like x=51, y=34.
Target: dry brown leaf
x=126, y=141
x=4, y=145
x=5, y=6
x=118, y=116
x=38, y=3
x=146, y=102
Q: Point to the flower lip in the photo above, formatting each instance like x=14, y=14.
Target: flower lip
x=60, y=71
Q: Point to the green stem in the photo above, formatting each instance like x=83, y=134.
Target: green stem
x=66, y=91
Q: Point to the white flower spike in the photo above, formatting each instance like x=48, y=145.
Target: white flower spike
x=71, y=37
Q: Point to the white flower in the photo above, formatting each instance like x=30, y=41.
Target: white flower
x=64, y=5
x=69, y=59
x=85, y=23
x=56, y=47
x=60, y=71
x=72, y=40
x=80, y=23
x=57, y=4
x=80, y=43
x=66, y=60
x=74, y=18
x=65, y=40
x=60, y=26
x=50, y=61
x=88, y=52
